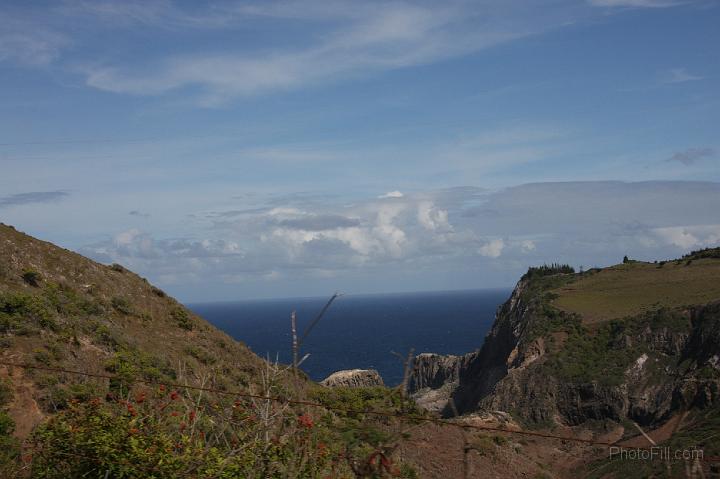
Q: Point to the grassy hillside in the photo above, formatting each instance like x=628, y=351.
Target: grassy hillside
x=60, y=310
x=634, y=288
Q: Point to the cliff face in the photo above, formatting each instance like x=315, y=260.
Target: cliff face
x=435, y=379
x=667, y=370
x=544, y=364
x=433, y=371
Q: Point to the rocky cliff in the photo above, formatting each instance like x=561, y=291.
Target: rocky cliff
x=558, y=353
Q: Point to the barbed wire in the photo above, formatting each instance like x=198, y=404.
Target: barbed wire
x=402, y=417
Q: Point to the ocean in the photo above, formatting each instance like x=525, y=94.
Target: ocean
x=361, y=331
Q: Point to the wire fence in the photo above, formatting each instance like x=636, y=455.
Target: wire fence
x=414, y=418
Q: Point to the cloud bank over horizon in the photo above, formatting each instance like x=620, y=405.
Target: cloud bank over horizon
x=461, y=232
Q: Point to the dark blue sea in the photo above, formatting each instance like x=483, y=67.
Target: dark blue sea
x=361, y=331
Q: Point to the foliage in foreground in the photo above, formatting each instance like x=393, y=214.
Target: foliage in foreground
x=162, y=433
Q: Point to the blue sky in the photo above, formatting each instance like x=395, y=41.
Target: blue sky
x=261, y=149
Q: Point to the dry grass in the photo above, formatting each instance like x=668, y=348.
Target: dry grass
x=630, y=289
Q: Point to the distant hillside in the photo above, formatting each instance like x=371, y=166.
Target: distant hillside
x=598, y=352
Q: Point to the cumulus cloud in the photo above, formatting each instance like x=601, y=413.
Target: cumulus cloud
x=493, y=248
x=687, y=237
x=313, y=222
x=136, y=244
x=584, y=223
x=32, y=197
x=432, y=218
x=692, y=155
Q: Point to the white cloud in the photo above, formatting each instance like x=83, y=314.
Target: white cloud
x=687, y=237
x=32, y=47
x=360, y=38
x=297, y=236
x=527, y=245
x=493, y=248
x=432, y=218
x=392, y=194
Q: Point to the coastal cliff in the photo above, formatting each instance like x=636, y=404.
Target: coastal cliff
x=558, y=353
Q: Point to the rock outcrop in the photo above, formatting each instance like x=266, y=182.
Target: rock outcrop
x=432, y=371
x=433, y=379
x=353, y=378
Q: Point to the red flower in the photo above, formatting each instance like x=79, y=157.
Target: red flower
x=134, y=430
x=140, y=398
x=192, y=416
x=174, y=414
x=174, y=395
x=162, y=387
x=305, y=421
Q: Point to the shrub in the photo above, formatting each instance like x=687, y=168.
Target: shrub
x=201, y=354
x=122, y=305
x=117, y=267
x=158, y=292
x=159, y=434
x=18, y=309
x=704, y=253
x=31, y=277
x=182, y=318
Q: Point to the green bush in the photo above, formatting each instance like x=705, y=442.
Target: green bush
x=122, y=305
x=201, y=354
x=182, y=318
x=156, y=433
x=31, y=277
x=158, y=292
x=19, y=309
x=9, y=445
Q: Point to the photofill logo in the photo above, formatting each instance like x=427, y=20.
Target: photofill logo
x=656, y=453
